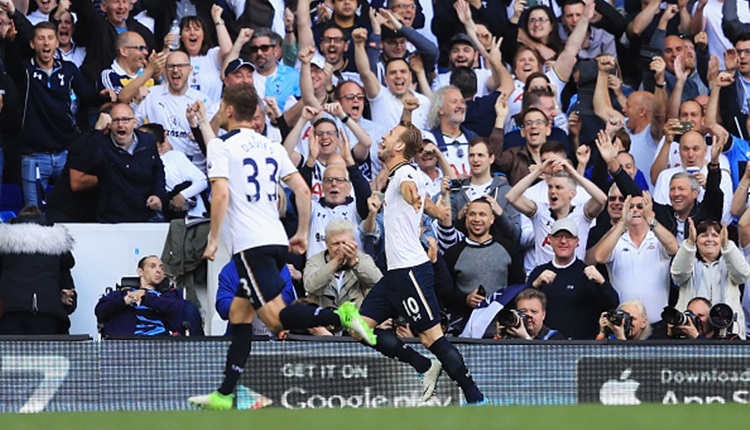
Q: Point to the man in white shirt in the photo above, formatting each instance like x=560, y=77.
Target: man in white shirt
x=561, y=190
x=387, y=103
x=637, y=251
x=167, y=104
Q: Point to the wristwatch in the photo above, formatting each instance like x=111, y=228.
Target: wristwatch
x=652, y=225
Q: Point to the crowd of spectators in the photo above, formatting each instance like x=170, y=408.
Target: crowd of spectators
x=591, y=151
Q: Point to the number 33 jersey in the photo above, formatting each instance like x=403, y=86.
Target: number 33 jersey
x=253, y=166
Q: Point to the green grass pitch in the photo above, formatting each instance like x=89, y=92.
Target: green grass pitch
x=658, y=417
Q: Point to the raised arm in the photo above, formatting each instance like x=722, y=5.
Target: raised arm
x=369, y=80
x=598, y=200
x=568, y=57
x=305, y=36
x=602, y=102
x=305, y=77
x=515, y=195
x=643, y=19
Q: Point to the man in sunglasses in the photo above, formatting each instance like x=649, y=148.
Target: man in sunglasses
x=271, y=77
x=637, y=251
x=131, y=62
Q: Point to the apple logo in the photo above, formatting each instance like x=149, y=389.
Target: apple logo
x=620, y=391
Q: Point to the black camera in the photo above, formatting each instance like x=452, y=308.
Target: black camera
x=620, y=318
x=455, y=184
x=674, y=317
x=722, y=317
x=511, y=318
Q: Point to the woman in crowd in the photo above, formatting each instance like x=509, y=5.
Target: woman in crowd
x=709, y=265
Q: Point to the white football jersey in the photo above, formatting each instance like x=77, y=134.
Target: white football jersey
x=401, y=223
x=253, y=165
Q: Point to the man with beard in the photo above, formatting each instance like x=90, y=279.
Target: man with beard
x=407, y=289
x=480, y=259
x=258, y=243
x=166, y=105
x=272, y=78
x=387, y=102
x=445, y=119
x=462, y=53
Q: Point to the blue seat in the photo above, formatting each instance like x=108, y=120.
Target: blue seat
x=6, y=216
x=11, y=198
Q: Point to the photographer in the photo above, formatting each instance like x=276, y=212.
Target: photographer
x=527, y=320
x=691, y=324
x=628, y=322
x=709, y=265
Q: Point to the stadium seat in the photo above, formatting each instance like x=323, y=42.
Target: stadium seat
x=11, y=198
x=6, y=216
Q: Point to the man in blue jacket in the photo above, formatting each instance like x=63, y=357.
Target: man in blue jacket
x=48, y=124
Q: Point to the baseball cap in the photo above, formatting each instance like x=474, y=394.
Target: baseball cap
x=236, y=64
x=564, y=224
x=318, y=60
x=426, y=135
x=461, y=38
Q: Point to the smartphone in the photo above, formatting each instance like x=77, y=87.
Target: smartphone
x=481, y=291
x=531, y=3
x=684, y=127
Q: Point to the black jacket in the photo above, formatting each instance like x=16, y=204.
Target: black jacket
x=126, y=181
x=35, y=263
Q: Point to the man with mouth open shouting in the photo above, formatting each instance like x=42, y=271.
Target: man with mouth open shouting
x=561, y=188
x=387, y=102
x=48, y=124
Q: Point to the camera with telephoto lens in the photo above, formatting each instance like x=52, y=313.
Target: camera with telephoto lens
x=674, y=317
x=620, y=318
x=722, y=317
x=511, y=318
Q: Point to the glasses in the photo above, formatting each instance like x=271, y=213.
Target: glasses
x=621, y=199
x=637, y=205
x=333, y=179
x=742, y=52
x=138, y=47
x=177, y=66
x=335, y=40
x=325, y=133
x=404, y=6
x=563, y=236
x=354, y=96
x=538, y=20
x=123, y=120
x=531, y=122
x=262, y=48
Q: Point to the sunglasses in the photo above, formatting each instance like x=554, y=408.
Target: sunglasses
x=621, y=199
x=262, y=48
x=637, y=205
